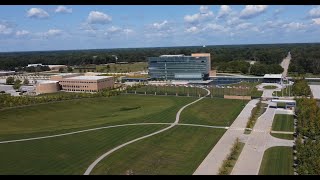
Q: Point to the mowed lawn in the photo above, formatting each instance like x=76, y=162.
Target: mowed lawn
x=179, y=150
x=84, y=113
x=277, y=161
x=283, y=122
x=67, y=154
x=283, y=136
x=213, y=111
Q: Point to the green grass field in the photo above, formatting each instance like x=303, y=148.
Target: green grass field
x=283, y=122
x=277, y=161
x=179, y=150
x=85, y=113
x=67, y=154
x=270, y=87
x=213, y=111
x=283, y=136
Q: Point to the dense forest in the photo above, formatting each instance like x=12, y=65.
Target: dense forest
x=305, y=57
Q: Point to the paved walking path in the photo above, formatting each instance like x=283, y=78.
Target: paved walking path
x=90, y=168
x=211, y=164
x=315, y=89
x=259, y=140
x=281, y=132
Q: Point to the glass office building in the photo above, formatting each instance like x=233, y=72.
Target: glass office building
x=179, y=67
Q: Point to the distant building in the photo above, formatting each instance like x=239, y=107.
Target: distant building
x=86, y=83
x=273, y=78
x=7, y=73
x=34, y=65
x=180, y=67
x=43, y=87
x=56, y=67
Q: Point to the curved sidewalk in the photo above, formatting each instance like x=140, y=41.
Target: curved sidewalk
x=90, y=168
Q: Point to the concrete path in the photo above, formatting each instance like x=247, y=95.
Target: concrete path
x=315, y=89
x=285, y=64
x=281, y=132
x=211, y=164
x=90, y=168
x=259, y=140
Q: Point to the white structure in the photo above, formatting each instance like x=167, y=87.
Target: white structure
x=34, y=65
x=273, y=78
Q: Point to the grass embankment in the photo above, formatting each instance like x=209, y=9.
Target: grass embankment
x=283, y=122
x=67, y=154
x=73, y=115
x=277, y=161
x=232, y=158
x=283, y=136
x=179, y=150
x=270, y=87
x=213, y=111
x=255, y=114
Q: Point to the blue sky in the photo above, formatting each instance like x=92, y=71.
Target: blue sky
x=33, y=28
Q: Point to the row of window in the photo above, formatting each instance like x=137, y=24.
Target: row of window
x=74, y=86
x=80, y=90
x=86, y=82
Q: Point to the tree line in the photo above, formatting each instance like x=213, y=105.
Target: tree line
x=307, y=143
x=268, y=54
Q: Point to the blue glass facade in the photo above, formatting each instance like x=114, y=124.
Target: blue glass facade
x=179, y=67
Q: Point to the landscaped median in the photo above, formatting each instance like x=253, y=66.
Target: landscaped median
x=255, y=114
x=232, y=158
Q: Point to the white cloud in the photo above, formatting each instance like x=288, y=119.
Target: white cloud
x=5, y=28
x=22, y=33
x=63, y=9
x=215, y=27
x=96, y=17
x=37, y=13
x=193, y=29
x=316, y=21
x=52, y=32
x=294, y=26
x=224, y=11
x=315, y=12
x=160, y=25
x=204, y=9
x=204, y=14
x=243, y=26
x=117, y=30
x=251, y=11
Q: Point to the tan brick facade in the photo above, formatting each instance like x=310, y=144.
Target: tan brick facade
x=77, y=84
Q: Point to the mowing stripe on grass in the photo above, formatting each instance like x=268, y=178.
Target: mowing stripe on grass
x=90, y=168
x=76, y=132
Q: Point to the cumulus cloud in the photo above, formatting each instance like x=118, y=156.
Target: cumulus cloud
x=315, y=12
x=251, y=11
x=204, y=14
x=193, y=29
x=117, y=30
x=224, y=11
x=316, y=21
x=161, y=25
x=37, y=13
x=215, y=27
x=294, y=26
x=52, y=32
x=22, y=33
x=63, y=9
x=5, y=28
x=96, y=17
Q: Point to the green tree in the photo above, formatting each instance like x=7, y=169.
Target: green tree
x=10, y=80
x=69, y=69
x=60, y=70
x=17, y=84
x=26, y=82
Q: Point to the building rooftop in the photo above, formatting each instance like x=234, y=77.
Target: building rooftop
x=7, y=71
x=277, y=76
x=46, y=82
x=178, y=55
x=283, y=100
x=89, y=77
x=66, y=74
